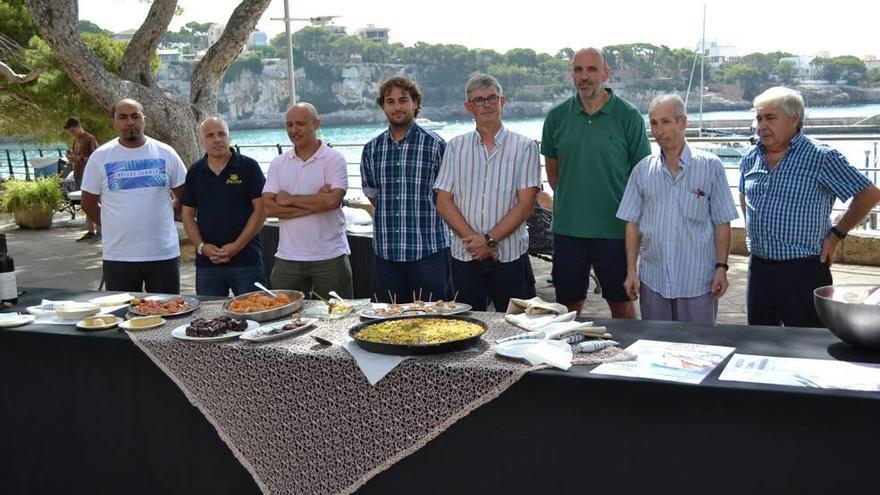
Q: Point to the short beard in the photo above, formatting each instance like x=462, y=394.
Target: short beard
x=132, y=137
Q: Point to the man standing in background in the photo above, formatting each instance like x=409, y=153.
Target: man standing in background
x=83, y=146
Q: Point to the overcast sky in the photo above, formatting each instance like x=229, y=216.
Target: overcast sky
x=842, y=27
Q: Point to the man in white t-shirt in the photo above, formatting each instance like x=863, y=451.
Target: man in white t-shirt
x=128, y=187
x=304, y=190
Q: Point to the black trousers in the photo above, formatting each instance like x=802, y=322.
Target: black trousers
x=781, y=292
x=161, y=277
x=479, y=281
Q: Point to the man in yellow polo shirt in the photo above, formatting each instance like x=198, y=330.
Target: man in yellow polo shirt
x=591, y=142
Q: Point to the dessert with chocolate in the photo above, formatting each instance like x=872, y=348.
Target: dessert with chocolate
x=200, y=327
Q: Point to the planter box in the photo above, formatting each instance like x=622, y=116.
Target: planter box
x=34, y=219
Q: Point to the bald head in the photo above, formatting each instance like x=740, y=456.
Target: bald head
x=589, y=73
x=129, y=122
x=302, y=123
x=590, y=52
x=215, y=138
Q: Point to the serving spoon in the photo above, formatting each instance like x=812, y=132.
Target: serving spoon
x=263, y=287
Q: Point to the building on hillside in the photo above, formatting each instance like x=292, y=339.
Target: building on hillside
x=803, y=65
x=373, y=33
x=717, y=54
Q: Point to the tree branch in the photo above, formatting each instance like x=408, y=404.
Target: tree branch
x=207, y=75
x=136, y=60
x=13, y=78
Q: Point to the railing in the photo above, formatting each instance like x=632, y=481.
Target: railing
x=17, y=161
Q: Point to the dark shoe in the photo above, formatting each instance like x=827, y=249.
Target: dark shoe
x=96, y=238
x=87, y=237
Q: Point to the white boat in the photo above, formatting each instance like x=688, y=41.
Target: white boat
x=430, y=124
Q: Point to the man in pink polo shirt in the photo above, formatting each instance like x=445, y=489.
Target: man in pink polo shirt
x=304, y=190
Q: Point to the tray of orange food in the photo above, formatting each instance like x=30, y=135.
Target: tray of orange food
x=260, y=306
x=163, y=305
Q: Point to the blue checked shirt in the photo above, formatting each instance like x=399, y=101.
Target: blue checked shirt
x=677, y=219
x=400, y=178
x=788, y=208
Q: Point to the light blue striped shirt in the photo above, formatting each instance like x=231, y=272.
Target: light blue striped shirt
x=788, y=209
x=677, y=219
x=485, y=184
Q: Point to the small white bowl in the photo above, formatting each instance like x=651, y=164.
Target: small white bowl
x=77, y=311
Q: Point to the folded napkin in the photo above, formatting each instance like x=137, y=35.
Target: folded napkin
x=552, y=352
x=535, y=322
x=534, y=306
x=373, y=366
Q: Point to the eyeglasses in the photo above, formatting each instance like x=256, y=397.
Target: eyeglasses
x=489, y=100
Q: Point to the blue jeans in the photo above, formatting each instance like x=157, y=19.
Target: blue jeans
x=217, y=280
x=429, y=275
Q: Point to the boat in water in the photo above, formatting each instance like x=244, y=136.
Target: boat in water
x=430, y=124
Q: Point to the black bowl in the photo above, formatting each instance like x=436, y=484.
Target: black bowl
x=417, y=349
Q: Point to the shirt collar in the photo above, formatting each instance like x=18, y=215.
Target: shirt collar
x=413, y=129
x=500, y=136
x=318, y=154
x=606, y=108
x=234, y=161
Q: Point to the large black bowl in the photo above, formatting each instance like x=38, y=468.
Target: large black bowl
x=417, y=349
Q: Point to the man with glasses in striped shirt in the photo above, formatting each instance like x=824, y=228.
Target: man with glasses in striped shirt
x=678, y=208
x=788, y=184
x=398, y=169
x=485, y=191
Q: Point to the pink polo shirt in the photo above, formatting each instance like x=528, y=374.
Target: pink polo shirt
x=319, y=236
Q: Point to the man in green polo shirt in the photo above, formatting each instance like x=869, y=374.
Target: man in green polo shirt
x=591, y=142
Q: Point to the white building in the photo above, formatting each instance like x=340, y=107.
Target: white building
x=258, y=39
x=214, y=32
x=717, y=54
x=373, y=33
x=802, y=65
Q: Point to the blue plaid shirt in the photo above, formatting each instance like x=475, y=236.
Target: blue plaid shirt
x=788, y=208
x=400, y=177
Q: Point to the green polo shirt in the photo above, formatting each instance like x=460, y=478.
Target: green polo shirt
x=596, y=154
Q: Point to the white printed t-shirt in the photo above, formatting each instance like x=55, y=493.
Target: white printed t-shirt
x=319, y=236
x=137, y=219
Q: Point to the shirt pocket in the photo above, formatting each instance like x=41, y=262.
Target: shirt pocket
x=694, y=206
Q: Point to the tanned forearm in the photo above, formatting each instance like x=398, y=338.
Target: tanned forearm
x=315, y=203
x=633, y=243
x=551, y=165
x=253, y=226
x=722, y=242
x=190, y=226
x=92, y=206
x=271, y=208
x=859, y=207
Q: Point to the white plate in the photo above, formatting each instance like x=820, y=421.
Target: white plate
x=77, y=310
x=519, y=349
x=261, y=334
x=116, y=321
x=127, y=325
x=112, y=299
x=22, y=320
x=180, y=333
x=410, y=310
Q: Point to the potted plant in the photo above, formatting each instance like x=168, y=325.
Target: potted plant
x=33, y=202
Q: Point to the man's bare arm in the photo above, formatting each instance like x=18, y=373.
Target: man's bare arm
x=92, y=206
x=522, y=209
x=551, y=165
x=271, y=208
x=326, y=200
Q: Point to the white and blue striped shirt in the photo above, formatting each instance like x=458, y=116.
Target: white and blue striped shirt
x=485, y=185
x=677, y=219
x=788, y=208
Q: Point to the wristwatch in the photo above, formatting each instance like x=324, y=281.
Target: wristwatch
x=199, y=248
x=489, y=241
x=722, y=265
x=840, y=235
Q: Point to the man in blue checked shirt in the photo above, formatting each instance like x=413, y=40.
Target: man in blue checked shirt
x=678, y=208
x=788, y=184
x=398, y=170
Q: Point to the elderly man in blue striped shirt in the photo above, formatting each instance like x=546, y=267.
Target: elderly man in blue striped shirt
x=398, y=169
x=485, y=191
x=678, y=208
x=788, y=184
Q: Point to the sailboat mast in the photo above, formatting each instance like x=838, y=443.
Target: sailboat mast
x=702, y=65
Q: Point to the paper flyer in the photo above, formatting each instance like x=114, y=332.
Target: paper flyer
x=798, y=372
x=670, y=361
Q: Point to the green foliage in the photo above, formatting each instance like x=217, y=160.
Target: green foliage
x=15, y=22
x=846, y=67
x=36, y=111
x=747, y=76
x=253, y=64
x=39, y=194
x=646, y=65
x=91, y=27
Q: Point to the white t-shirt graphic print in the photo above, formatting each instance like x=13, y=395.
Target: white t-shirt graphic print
x=135, y=187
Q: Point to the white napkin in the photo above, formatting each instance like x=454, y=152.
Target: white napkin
x=373, y=366
x=9, y=317
x=535, y=305
x=533, y=322
x=555, y=353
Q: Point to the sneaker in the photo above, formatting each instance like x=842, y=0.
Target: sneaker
x=87, y=237
x=96, y=238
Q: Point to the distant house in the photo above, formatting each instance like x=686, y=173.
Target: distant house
x=373, y=33
x=871, y=62
x=802, y=65
x=258, y=39
x=124, y=36
x=717, y=54
x=171, y=55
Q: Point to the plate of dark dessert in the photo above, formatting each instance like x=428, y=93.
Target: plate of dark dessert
x=213, y=329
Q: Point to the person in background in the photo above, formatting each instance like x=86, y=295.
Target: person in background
x=84, y=144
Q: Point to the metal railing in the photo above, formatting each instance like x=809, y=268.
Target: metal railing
x=17, y=160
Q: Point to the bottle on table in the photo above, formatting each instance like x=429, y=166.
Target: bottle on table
x=8, y=286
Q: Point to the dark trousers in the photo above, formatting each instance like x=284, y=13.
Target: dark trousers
x=429, y=275
x=161, y=277
x=479, y=281
x=781, y=292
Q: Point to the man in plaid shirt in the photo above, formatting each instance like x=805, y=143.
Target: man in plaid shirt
x=398, y=169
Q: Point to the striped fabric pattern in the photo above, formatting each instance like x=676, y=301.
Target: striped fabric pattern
x=485, y=185
x=400, y=177
x=677, y=219
x=788, y=209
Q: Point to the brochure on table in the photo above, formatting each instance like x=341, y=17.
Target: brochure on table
x=670, y=361
x=798, y=372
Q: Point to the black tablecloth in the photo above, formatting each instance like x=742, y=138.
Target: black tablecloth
x=361, y=259
x=88, y=412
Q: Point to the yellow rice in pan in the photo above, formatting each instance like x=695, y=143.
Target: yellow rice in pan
x=417, y=331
